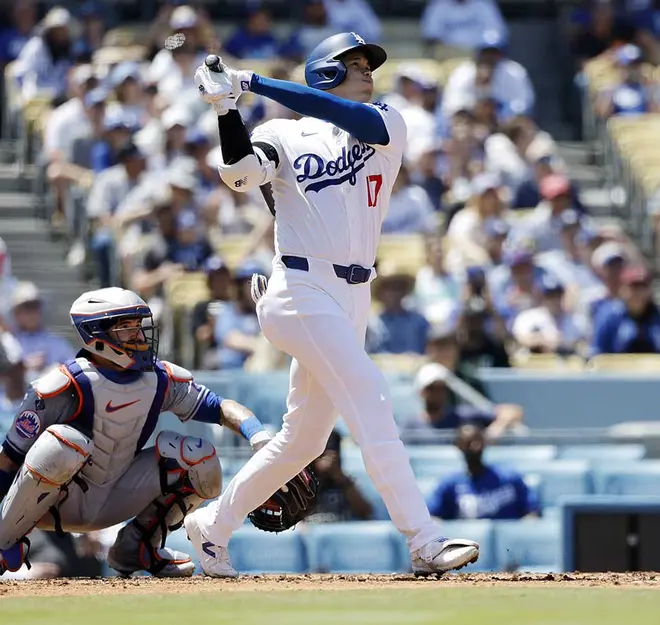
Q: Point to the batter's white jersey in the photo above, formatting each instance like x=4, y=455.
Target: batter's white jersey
x=331, y=191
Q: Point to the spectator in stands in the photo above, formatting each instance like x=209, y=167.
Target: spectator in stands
x=177, y=87
x=491, y=73
x=645, y=19
x=41, y=348
x=110, y=189
x=410, y=210
x=397, y=329
x=518, y=288
x=461, y=23
x=497, y=231
x=254, y=40
x=630, y=325
x=347, y=15
x=437, y=293
x=126, y=81
x=483, y=491
x=204, y=315
x=550, y=328
x=190, y=249
x=14, y=37
x=237, y=331
x=12, y=371
x=442, y=394
x=175, y=121
x=44, y=61
x=117, y=130
x=93, y=19
x=635, y=94
x=544, y=225
x=608, y=262
x=314, y=29
x=467, y=230
x=339, y=499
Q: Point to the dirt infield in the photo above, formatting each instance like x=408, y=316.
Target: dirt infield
x=64, y=587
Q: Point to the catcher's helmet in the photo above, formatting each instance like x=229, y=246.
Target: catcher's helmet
x=323, y=70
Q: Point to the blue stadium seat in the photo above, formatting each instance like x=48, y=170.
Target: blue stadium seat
x=532, y=545
x=514, y=454
x=356, y=547
x=435, y=460
x=367, y=488
x=603, y=453
x=482, y=532
x=556, y=479
x=254, y=551
x=635, y=478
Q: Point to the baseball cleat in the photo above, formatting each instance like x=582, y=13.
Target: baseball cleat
x=442, y=555
x=160, y=563
x=214, y=559
x=12, y=559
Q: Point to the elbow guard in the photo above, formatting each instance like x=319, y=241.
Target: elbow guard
x=246, y=174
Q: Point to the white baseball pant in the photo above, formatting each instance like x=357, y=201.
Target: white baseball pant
x=320, y=320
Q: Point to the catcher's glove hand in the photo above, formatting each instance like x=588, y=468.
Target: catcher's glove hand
x=289, y=505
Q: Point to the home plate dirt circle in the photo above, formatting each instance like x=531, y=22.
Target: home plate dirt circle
x=247, y=583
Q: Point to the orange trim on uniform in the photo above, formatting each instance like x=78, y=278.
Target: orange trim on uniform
x=68, y=443
x=66, y=372
x=173, y=377
x=41, y=477
x=59, y=390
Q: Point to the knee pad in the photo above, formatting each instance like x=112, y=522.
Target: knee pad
x=195, y=456
x=58, y=454
x=56, y=457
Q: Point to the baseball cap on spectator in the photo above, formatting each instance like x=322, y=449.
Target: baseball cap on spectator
x=429, y=374
x=57, y=17
x=248, y=267
x=496, y=227
x=517, y=256
x=95, y=97
x=485, y=182
x=215, y=263
x=551, y=285
x=118, y=120
x=608, y=253
x=183, y=17
x=175, y=116
x=492, y=40
x=636, y=274
x=628, y=54
x=25, y=293
x=123, y=71
x=194, y=136
x=554, y=185
x=569, y=218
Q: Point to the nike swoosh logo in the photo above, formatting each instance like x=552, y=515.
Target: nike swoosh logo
x=206, y=548
x=110, y=408
x=308, y=134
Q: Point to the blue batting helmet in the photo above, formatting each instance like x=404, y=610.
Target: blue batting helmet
x=324, y=70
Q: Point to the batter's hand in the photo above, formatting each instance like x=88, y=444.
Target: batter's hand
x=258, y=286
x=219, y=85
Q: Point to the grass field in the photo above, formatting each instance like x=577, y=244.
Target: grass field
x=459, y=606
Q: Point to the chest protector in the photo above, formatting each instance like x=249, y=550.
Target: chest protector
x=119, y=417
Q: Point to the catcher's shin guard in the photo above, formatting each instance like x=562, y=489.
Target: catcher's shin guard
x=190, y=474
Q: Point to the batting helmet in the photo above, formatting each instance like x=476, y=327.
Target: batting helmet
x=324, y=70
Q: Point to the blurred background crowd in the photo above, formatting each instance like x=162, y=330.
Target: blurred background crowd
x=521, y=230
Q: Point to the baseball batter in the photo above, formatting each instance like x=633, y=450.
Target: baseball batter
x=329, y=177
x=74, y=458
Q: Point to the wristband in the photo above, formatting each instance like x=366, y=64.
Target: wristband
x=250, y=428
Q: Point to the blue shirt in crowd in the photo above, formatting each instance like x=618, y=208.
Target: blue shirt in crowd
x=616, y=332
x=398, y=333
x=11, y=44
x=495, y=494
x=231, y=319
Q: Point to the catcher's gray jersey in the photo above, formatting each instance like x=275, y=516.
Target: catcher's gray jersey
x=119, y=416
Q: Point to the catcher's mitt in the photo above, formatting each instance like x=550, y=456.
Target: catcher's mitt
x=289, y=505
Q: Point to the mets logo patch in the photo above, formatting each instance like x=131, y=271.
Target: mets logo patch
x=28, y=424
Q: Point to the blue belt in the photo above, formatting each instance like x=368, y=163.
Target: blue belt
x=353, y=274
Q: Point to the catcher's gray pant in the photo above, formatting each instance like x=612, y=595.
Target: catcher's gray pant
x=321, y=322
